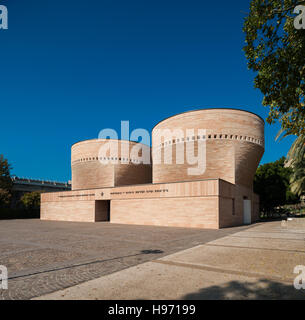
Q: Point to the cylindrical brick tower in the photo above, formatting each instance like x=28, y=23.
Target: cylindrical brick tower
x=232, y=142
x=124, y=165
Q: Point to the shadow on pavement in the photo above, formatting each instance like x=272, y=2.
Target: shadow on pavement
x=262, y=289
x=152, y=251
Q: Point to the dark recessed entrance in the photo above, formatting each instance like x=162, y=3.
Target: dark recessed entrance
x=102, y=210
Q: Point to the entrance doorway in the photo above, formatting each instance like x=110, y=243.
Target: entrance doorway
x=102, y=210
x=247, y=211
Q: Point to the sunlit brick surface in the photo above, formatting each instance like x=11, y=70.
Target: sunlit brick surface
x=234, y=145
x=167, y=194
x=88, y=171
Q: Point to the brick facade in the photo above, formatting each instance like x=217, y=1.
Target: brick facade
x=234, y=142
x=165, y=194
x=89, y=172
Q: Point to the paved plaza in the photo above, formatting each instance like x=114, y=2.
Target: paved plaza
x=46, y=256
x=69, y=260
x=257, y=263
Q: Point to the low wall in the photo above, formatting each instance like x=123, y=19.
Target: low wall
x=231, y=204
x=210, y=204
x=188, y=212
x=76, y=210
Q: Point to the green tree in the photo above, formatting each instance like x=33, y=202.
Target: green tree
x=5, y=181
x=272, y=184
x=297, y=149
x=31, y=200
x=296, y=161
x=275, y=52
x=298, y=178
x=5, y=198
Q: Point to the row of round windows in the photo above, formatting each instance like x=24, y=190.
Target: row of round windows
x=212, y=136
x=125, y=160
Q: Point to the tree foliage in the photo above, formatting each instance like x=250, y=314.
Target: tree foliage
x=296, y=161
x=5, y=198
x=272, y=184
x=297, y=179
x=5, y=181
x=31, y=200
x=275, y=51
x=5, y=176
x=297, y=150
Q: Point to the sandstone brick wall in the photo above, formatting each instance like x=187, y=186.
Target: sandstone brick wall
x=215, y=150
x=188, y=204
x=196, y=212
x=81, y=211
x=171, y=190
x=231, y=204
x=91, y=175
x=132, y=174
x=234, y=141
x=247, y=159
x=198, y=204
x=88, y=172
x=234, y=145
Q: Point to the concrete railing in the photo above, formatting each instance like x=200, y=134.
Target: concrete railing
x=36, y=182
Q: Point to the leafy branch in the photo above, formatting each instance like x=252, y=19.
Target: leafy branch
x=290, y=8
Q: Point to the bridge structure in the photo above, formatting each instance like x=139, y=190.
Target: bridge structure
x=25, y=185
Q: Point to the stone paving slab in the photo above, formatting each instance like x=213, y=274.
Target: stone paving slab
x=24, y=260
x=250, y=254
x=208, y=271
x=7, y=248
x=155, y=281
x=259, y=243
x=45, y=256
x=265, y=263
x=272, y=235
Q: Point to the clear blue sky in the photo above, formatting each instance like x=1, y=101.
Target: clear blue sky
x=71, y=68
